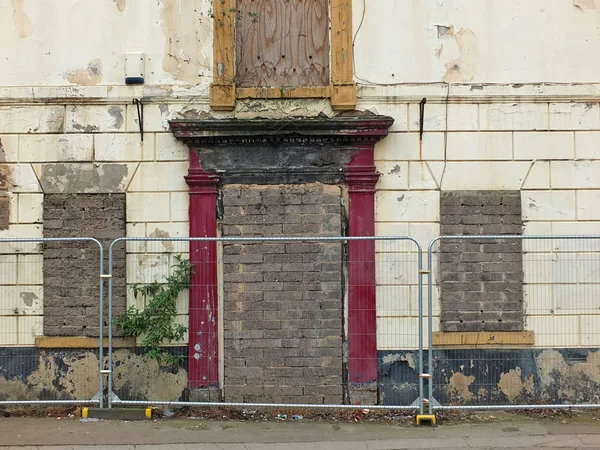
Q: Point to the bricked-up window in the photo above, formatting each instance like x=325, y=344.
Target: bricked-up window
x=4, y=211
x=481, y=279
x=282, y=43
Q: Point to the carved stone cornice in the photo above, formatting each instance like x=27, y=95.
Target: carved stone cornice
x=338, y=131
x=268, y=151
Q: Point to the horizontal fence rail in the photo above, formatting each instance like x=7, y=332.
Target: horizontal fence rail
x=278, y=321
x=51, y=287
x=542, y=293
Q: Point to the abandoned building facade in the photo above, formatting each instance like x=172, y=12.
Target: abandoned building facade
x=313, y=118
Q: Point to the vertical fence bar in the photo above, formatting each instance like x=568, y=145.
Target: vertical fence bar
x=110, y=321
x=430, y=370
x=421, y=361
x=101, y=331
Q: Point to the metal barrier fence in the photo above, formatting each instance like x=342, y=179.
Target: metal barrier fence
x=545, y=289
x=298, y=317
x=310, y=322
x=51, y=287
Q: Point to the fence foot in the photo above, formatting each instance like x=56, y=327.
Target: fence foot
x=426, y=419
x=117, y=413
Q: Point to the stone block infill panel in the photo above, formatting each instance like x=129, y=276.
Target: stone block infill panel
x=481, y=279
x=4, y=211
x=283, y=300
x=71, y=269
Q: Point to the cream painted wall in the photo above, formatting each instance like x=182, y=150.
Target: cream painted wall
x=53, y=42
x=526, y=131
x=479, y=41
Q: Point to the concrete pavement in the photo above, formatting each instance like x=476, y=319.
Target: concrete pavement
x=184, y=434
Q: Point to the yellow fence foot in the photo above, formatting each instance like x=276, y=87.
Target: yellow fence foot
x=426, y=419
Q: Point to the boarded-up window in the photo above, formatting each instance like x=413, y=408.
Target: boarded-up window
x=282, y=43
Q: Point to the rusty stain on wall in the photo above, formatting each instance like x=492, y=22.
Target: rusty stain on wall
x=459, y=386
x=90, y=76
x=187, y=42
x=512, y=385
x=462, y=69
x=121, y=4
x=168, y=245
x=22, y=22
x=585, y=5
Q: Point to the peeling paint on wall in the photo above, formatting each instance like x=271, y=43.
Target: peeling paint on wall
x=585, y=5
x=90, y=76
x=513, y=386
x=188, y=43
x=74, y=178
x=22, y=22
x=138, y=378
x=73, y=374
x=117, y=113
x=462, y=69
x=121, y=4
x=459, y=386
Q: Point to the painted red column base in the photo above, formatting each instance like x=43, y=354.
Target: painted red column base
x=361, y=178
x=203, y=350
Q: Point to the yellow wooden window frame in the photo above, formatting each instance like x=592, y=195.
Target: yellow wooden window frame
x=341, y=91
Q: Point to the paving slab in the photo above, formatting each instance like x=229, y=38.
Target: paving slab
x=199, y=434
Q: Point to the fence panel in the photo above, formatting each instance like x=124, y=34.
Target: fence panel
x=278, y=321
x=51, y=294
x=518, y=320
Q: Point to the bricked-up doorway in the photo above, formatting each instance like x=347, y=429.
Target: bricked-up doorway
x=283, y=178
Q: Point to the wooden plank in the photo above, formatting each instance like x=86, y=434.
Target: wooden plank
x=275, y=93
x=80, y=342
x=282, y=43
x=343, y=95
x=341, y=42
x=223, y=55
x=486, y=338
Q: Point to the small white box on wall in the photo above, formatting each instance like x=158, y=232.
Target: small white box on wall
x=134, y=68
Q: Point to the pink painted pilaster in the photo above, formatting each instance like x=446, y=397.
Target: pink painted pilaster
x=203, y=366
x=361, y=178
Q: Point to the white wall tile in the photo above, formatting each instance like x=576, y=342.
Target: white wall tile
x=548, y=205
x=498, y=175
x=479, y=146
x=574, y=116
x=56, y=147
x=513, y=116
x=587, y=205
x=148, y=207
x=544, y=145
x=407, y=206
x=587, y=144
x=575, y=174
